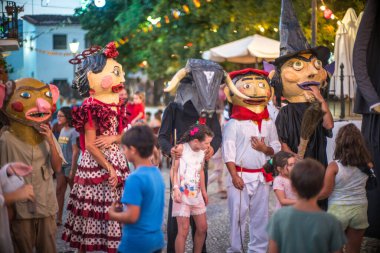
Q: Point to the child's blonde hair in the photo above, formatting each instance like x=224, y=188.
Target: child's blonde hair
x=141, y=95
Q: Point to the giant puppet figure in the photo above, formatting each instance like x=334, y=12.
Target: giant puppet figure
x=196, y=86
x=249, y=139
x=103, y=168
x=366, y=63
x=299, y=75
x=28, y=105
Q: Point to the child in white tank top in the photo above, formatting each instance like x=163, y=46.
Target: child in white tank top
x=189, y=189
x=345, y=184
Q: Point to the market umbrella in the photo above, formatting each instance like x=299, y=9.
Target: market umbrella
x=344, y=44
x=251, y=49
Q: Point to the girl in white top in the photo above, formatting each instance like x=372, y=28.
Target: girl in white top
x=345, y=183
x=189, y=189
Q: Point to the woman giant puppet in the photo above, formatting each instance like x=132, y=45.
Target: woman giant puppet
x=102, y=170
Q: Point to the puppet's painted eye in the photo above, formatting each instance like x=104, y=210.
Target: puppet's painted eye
x=25, y=94
x=298, y=65
x=116, y=71
x=318, y=64
x=246, y=86
x=261, y=85
x=48, y=94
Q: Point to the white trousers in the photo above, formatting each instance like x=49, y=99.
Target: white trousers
x=254, y=204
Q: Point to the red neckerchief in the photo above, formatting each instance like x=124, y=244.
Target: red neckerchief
x=242, y=113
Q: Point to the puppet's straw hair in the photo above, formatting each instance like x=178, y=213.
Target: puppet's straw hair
x=311, y=118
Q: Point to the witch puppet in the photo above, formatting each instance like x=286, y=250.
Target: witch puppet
x=249, y=139
x=103, y=168
x=196, y=88
x=299, y=76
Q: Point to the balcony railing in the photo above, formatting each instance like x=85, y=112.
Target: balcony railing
x=9, y=23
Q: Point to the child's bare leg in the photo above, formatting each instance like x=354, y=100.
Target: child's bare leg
x=200, y=232
x=354, y=239
x=183, y=230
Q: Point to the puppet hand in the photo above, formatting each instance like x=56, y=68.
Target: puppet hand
x=177, y=195
x=205, y=197
x=46, y=131
x=258, y=144
x=104, y=141
x=238, y=182
x=209, y=153
x=176, y=151
x=376, y=109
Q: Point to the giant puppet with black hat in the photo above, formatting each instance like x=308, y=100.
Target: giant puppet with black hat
x=249, y=139
x=305, y=122
x=366, y=64
x=196, y=88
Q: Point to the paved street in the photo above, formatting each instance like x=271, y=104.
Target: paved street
x=218, y=225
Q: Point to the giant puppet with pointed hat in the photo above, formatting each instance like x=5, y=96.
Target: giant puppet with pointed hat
x=298, y=77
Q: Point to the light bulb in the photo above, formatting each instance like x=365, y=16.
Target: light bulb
x=100, y=3
x=332, y=16
x=322, y=8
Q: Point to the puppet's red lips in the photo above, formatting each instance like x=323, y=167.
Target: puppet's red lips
x=306, y=85
x=117, y=88
x=37, y=116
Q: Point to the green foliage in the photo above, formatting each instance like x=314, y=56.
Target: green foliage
x=216, y=22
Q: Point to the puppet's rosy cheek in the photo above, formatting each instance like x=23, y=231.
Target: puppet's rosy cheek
x=17, y=106
x=106, y=82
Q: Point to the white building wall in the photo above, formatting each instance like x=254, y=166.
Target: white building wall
x=51, y=67
x=27, y=62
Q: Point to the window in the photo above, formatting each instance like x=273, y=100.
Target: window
x=59, y=41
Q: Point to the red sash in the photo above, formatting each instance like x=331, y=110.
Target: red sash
x=268, y=176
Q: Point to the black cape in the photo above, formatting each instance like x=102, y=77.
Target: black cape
x=288, y=123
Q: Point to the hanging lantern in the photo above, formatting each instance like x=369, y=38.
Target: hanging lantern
x=176, y=14
x=167, y=20
x=327, y=13
x=158, y=25
x=186, y=9
x=150, y=28
x=197, y=3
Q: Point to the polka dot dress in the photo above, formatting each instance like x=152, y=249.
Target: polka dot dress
x=88, y=226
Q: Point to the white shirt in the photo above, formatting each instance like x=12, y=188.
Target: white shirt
x=190, y=166
x=237, y=147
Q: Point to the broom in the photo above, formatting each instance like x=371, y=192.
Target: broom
x=311, y=118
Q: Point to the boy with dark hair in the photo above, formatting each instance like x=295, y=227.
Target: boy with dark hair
x=143, y=197
x=304, y=227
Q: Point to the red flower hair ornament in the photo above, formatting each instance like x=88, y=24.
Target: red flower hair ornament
x=109, y=51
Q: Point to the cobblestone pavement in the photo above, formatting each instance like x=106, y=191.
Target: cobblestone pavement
x=218, y=225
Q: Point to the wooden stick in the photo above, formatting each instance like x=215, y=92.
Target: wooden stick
x=175, y=137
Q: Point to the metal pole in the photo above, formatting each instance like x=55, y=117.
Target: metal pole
x=342, y=102
x=313, y=23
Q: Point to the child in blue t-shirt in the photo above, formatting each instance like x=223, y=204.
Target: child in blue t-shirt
x=143, y=197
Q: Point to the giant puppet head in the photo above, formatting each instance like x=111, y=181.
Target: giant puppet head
x=254, y=84
x=27, y=103
x=299, y=67
x=199, y=82
x=98, y=74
